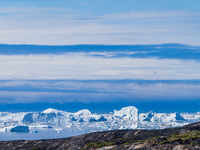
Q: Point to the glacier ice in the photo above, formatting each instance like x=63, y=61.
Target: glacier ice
x=62, y=124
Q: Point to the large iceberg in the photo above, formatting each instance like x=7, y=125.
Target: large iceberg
x=52, y=123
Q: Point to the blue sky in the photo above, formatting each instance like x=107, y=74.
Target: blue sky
x=85, y=74
x=99, y=22
x=98, y=77
x=110, y=5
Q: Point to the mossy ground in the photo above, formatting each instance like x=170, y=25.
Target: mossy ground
x=188, y=137
x=93, y=145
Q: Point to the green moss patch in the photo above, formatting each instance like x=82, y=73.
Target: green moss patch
x=98, y=145
x=179, y=137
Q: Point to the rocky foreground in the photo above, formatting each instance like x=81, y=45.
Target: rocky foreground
x=182, y=138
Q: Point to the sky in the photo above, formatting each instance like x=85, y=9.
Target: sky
x=64, y=22
x=100, y=77
x=133, y=63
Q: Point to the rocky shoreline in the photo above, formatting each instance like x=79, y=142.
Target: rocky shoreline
x=182, y=138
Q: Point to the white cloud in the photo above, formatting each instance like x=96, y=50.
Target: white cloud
x=61, y=26
x=95, y=91
x=80, y=66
